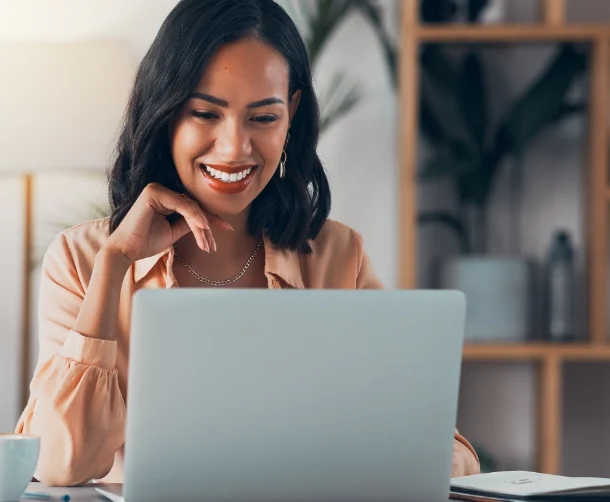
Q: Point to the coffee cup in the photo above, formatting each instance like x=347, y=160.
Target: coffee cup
x=18, y=459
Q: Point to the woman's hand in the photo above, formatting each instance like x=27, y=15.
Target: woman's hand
x=145, y=231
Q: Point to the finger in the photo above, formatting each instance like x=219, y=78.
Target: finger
x=191, y=211
x=165, y=201
x=220, y=221
x=181, y=227
x=210, y=238
x=206, y=240
x=199, y=238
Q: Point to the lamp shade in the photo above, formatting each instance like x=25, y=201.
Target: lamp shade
x=62, y=103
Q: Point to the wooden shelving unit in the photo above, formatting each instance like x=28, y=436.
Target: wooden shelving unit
x=514, y=33
x=549, y=358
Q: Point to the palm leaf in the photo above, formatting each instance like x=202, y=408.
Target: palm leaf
x=569, y=109
x=454, y=223
x=445, y=164
x=542, y=103
x=323, y=20
x=371, y=11
x=338, y=101
x=429, y=125
x=472, y=97
x=441, y=95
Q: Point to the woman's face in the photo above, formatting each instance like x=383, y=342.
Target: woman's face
x=228, y=139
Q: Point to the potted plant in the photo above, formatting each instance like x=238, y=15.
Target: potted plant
x=455, y=123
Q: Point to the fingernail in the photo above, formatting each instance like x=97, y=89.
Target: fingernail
x=229, y=227
x=214, y=244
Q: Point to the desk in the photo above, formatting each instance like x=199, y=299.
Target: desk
x=81, y=494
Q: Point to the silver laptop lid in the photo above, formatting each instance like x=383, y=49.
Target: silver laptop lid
x=308, y=395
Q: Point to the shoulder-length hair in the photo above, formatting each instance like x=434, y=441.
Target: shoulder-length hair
x=289, y=211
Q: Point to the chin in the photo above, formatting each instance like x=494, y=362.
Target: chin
x=224, y=205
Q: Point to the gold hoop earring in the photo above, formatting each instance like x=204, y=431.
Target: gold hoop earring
x=283, y=164
x=284, y=158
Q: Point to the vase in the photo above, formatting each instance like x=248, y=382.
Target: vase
x=499, y=293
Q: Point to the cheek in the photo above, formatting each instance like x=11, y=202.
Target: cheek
x=188, y=141
x=270, y=147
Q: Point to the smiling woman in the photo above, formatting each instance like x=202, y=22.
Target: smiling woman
x=232, y=134
x=216, y=183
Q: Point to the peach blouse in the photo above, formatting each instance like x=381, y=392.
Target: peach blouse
x=79, y=389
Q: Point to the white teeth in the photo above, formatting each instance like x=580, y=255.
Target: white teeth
x=226, y=177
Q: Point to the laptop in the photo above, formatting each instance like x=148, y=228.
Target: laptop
x=301, y=395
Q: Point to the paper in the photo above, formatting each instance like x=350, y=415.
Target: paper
x=524, y=483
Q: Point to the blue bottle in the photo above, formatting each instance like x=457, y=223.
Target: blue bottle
x=560, y=289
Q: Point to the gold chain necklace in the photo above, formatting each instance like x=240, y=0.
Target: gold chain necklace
x=226, y=282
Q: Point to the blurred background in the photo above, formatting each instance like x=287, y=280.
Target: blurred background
x=467, y=140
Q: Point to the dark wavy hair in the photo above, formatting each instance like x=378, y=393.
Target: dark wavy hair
x=289, y=211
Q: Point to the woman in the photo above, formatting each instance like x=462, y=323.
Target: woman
x=216, y=183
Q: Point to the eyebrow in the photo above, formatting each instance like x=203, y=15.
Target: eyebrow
x=224, y=104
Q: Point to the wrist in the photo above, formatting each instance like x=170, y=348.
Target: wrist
x=111, y=258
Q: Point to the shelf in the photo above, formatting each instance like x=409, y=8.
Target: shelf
x=513, y=33
x=535, y=351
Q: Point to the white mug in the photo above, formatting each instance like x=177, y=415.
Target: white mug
x=18, y=459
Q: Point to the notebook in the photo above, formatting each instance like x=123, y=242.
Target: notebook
x=113, y=492
x=509, y=486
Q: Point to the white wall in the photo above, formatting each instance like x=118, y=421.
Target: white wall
x=11, y=271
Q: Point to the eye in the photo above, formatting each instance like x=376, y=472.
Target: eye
x=204, y=115
x=264, y=119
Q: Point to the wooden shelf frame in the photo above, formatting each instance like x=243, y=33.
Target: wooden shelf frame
x=549, y=358
x=517, y=352
x=516, y=33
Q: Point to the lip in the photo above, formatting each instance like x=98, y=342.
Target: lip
x=224, y=187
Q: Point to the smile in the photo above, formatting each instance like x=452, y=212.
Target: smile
x=228, y=177
x=227, y=180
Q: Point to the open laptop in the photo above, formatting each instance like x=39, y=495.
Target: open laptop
x=301, y=395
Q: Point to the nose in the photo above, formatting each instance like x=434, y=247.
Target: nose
x=233, y=144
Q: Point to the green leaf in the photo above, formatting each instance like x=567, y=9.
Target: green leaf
x=338, y=101
x=440, y=90
x=542, y=102
x=569, y=109
x=429, y=125
x=322, y=21
x=453, y=222
x=446, y=164
x=472, y=97
x=474, y=187
x=371, y=11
